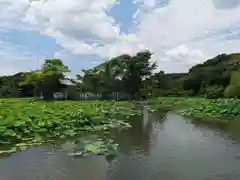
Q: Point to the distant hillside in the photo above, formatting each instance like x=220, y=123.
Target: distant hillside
x=214, y=73
x=224, y=62
x=9, y=85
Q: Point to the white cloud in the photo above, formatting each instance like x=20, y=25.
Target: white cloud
x=181, y=33
x=11, y=12
x=81, y=16
x=180, y=59
x=186, y=32
x=182, y=53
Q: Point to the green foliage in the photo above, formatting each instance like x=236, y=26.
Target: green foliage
x=48, y=79
x=9, y=86
x=132, y=75
x=134, y=72
x=203, y=108
x=122, y=74
x=93, y=144
x=32, y=123
x=215, y=72
x=213, y=92
x=172, y=93
x=232, y=91
x=235, y=78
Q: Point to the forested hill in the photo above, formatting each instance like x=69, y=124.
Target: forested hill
x=9, y=86
x=207, y=79
x=225, y=62
x=212, y=76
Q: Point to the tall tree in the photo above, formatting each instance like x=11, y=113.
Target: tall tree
x=48, y=79
x=135, y=71
x=124, y=73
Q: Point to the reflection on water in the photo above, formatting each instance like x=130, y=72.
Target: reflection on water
x=161, y=146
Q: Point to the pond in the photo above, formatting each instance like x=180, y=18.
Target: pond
x=161, y=146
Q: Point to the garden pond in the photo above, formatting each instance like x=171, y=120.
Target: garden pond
x=157, y=146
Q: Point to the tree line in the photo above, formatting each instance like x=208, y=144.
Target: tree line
x=133, y=75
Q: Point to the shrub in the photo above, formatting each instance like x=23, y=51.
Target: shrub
x=172, y=93
x=235, y=78
x=213, y=92
x=232, y=91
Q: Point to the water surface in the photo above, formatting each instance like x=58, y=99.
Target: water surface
x=163, y=146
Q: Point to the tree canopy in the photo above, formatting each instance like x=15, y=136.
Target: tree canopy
x=124, y=73
x=48, y=79
x=130, y=74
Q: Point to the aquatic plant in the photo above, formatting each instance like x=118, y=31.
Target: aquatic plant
x=94, y=145
x=26, y=124
x=200, y=107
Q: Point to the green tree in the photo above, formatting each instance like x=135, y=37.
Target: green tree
x=123, y=73
x=9, y=86
x=134, y=71
x=48, y=79
x=233, y=89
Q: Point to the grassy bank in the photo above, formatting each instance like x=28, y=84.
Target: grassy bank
x=207, y=109
x=25, y=123
x=14, y=100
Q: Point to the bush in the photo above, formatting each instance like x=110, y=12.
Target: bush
x=172, y=93
x=232, y=91
x=189, y=93
x=213, y=92
x=235, y=78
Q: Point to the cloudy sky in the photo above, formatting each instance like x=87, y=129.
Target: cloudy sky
x=84, y=33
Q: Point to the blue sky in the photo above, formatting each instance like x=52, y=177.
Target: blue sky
x=32, y=41
x=123, y=14
x=84, y=33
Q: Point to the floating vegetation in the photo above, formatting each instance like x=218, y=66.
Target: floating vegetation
x=26, y=124
x=94, y=145
x=199, y=107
